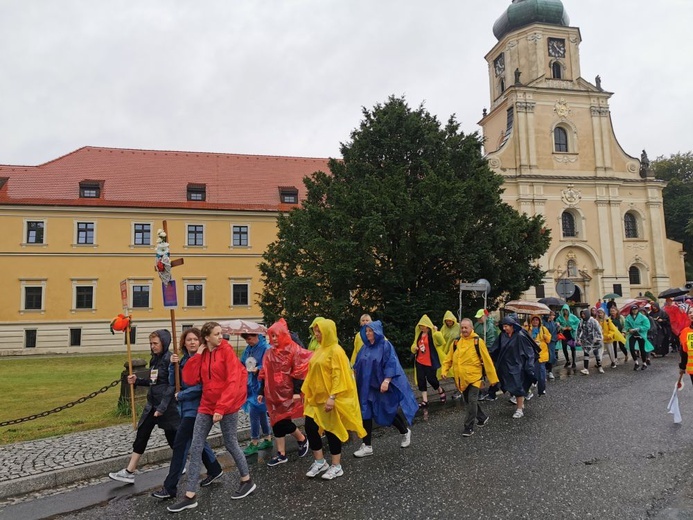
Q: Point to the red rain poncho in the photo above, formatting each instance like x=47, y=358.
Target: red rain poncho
x=282, y=364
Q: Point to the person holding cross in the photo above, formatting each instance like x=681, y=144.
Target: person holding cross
x=471, y=362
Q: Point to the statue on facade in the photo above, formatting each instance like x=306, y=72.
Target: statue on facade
x=517, y=76
x=484, y=112
x=644, y=165
x=598, y=81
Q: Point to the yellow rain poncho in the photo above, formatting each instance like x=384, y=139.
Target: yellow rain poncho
x=450, y=333
x=358, y=343
x=313, y=344
x=330, y=374
x=437, y=354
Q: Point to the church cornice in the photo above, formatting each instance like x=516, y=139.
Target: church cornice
x=585, y=179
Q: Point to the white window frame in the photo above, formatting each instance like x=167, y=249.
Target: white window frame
x=240, y=224
x=240, y=281
x=152, y=234
x=132, y=282
x=74, y=237
x=32, y=282
x=25, y=232
x=84, y=282
x=194, y=281
x=204, y=235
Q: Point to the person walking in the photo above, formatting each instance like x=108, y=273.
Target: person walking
x=590, y=338
x=515, y=353
x=610, y=334
x=485, y=327
x=427, y=349
x=542, y=337
x=284, y=369
x=188, y=402
x=472, y=363
x=224, y=382
x=252, y=358
x=450, y=330
x=619, y=322
x=686, y=342
x=358, y=342
x=550, y=323
x=568, y=323
x=637, y=326
x=160, y=410
x=383, y=388
x=331, y=402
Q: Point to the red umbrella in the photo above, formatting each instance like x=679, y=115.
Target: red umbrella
x=242, y=327
x=527, y=307
x=626, y=305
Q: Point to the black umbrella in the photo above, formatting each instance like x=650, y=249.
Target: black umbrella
x=552, y=302
x=674, y=292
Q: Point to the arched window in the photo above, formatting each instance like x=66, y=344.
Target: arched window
x=568, y=221
x=560, y=139
x=631, y=224
x=634, y=275
x=502, y=86
x=556, y=70
x=572, y=269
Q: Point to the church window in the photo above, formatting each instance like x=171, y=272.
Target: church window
x=560, y=139
x=568, y=222
x=556, y=70
x=631, y=225
x=634, y=275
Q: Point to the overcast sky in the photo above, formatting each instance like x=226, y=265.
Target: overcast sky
x=289, y=77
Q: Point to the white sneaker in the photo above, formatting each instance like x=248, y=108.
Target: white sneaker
x=551, y=377
x=123, y=476
x=406, y=439
x=600, y=370
x=316, y=468
x=363, y=451
x=585, y=372
x=529, y=396
x=513, y=399
x=333, y=472
x=519, y=414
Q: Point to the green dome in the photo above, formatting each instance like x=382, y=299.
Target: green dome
x=526, y=12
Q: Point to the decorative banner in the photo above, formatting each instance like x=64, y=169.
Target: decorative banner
x=124, y=294
x=170, y=294
x=163, y=258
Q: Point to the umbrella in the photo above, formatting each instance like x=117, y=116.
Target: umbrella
x=640, y=302
x=673, y=292
x=552, y=302
x=242, y=327
x=527, y=307
x=611, y=296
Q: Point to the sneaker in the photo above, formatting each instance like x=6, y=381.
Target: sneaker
x=363, y=451
x=186, y=503
x=585, y=372
x=333, y=472
x=458, y=395
x=550, y=376
x=648, y=361
x=613, y=365
x=573, y=366
x=210, y=478
x=600, y=370
x=123, y=476
x=162, y=494
x=482, y=397
x=513, y=399
x=277, y=460
x=317, y=468
x=644, y=366
x=542, y=393
x=265, y=445
x=303, y=448
x=468, y=433
x=251, y=449
x=490, y=397
x=245, y=489
x=406, y=439
x=519, y=414
x=529, y=396
x=482, y=423
x=636, y=366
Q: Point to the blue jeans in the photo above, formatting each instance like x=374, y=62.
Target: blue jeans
x=540, y=372
x=258, y=420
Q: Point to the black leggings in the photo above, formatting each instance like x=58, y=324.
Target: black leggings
x=398, y=422
x=641, y=346
x=315, y=441
x=144, y=431
x=565, y=351
x=283, y=428
x=425, y=373
x=620, y=346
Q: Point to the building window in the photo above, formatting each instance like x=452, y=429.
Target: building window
x=185, y=327
x=75, y=337
x=33, y=298
x=631, y=224
x=240, y=294
x=194, y=296
x=30, y=338
x=197, y=192
x=34, y=231
x=509, y=121
x=240, y=236
x=133, y=336
x=634, y=275
x=140, y=296
x=85, y=232
x=560, y=139
x=142, y=234
x=196, y=235
x=540, y=291
x=288, y=194
x=556, y=70
x=84, y=297
x=568, y=222
x=89, y=190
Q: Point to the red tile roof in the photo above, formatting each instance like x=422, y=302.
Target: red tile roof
x=151, y=179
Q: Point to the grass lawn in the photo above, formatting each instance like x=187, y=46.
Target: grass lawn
x=31, y=385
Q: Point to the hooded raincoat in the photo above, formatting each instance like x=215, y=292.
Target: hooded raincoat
x=571, y=321
x=257, y=353
x=330, y=374
x=437, y=353
x=284, y=364
x=642, y=324
x=467, y=363
x=313, y=343
x=375, y=362
x=160, y=394
x=515, y=359
x=449, y=333
x=610, y=331
x=542, y=336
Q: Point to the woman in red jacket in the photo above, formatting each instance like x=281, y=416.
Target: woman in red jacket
x=224, y=390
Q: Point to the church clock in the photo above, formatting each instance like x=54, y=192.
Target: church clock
x=557, y=47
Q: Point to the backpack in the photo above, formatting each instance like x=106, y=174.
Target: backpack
x=478, y=353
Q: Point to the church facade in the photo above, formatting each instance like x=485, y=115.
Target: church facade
x=549, y=133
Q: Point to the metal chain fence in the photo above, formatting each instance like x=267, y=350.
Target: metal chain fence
x=60, y=408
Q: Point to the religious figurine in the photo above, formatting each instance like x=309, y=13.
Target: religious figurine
x=484, y=112
x=517, y=76
x=598, y=81
x=644, y=164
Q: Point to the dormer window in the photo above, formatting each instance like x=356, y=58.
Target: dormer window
x=90, y=189
x=288, y=194
x=197, y=192
x=3, y=181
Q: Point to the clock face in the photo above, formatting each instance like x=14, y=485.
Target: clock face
x=556, y=48
x=499, y=65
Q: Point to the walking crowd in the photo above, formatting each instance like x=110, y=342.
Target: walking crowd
x=277, y=381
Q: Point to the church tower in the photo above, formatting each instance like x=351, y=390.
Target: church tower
x=549, y=133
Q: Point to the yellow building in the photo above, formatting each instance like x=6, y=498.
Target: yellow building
x=75, y=227
x=549, y=133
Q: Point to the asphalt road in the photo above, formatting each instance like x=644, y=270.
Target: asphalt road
x=598, y=446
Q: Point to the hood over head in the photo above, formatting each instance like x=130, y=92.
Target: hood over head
x=509, y=321
x=281, y=330
x=328, y=329
x=449, y=316
x=377, y=328
x=565, y=307
x=165, y=337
